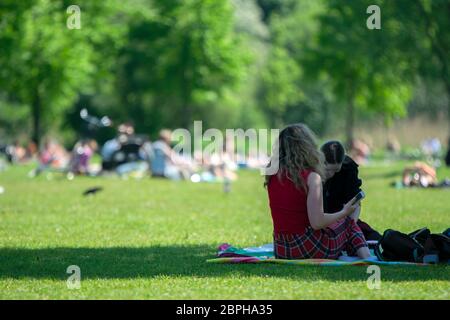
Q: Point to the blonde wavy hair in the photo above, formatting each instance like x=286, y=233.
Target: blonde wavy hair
x=297, y=151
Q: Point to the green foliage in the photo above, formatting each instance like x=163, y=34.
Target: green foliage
x=279, y=85
x=286, y=92
x=365, y=67
x=276, y=7
x=425, y=40
x=13, y=119
x=230, y=63
x=46, y=64
x=180, y=65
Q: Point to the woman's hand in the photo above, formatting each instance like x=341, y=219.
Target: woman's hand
x=349, y=208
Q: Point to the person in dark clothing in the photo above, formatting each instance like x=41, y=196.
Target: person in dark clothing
x=342, y=183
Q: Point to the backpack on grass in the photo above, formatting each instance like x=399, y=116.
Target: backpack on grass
x=418, y=246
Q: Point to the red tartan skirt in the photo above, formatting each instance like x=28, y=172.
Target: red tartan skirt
x=327, y=243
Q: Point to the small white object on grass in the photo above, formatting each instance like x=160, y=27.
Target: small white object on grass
x=196, y=177
x=2, y=190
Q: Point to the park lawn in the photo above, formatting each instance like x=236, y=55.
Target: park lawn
x=150, y=238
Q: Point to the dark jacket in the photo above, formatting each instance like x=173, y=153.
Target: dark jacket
x=341, y=188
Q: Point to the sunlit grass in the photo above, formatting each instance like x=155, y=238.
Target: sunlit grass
x=150, y=238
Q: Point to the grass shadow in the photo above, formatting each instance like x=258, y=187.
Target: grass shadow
x=184, y=261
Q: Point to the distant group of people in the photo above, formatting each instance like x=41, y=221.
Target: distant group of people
x=54, y=157
x=16, y=153
x=422, y=174
x=129, y=153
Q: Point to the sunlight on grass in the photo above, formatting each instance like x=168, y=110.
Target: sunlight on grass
x=150, y=238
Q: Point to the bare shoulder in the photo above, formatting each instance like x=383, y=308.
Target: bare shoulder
x=314, y=179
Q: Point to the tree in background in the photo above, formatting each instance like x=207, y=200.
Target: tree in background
x=181, y=64
x=288, y=93
x=425, y=27
x=230, y=63
x=44, y=63
x=279, y=87
x=254, y=33
x=364, y=66
x=436, y=26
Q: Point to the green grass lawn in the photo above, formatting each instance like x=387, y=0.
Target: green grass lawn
x=149, y=239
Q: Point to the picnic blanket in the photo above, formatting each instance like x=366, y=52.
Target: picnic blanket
x=264, y=254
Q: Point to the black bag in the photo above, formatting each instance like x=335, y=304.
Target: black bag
x=398, y=246
x=418, y=246
x=439, y=243
x=434, y=243
x=420, y=235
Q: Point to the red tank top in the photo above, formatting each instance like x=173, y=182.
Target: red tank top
x=288, y=205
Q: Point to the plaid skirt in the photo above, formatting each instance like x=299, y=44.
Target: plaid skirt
x=327, y=243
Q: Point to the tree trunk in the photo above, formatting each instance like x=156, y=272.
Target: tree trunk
x=36, y=114
x=186, y=85
x=350, y=119
x=187, y=113
x=186, y=107
x=447, y=89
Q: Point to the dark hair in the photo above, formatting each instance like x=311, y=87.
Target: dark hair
x=334, y=152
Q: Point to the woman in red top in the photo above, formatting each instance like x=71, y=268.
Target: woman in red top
x=301, y=228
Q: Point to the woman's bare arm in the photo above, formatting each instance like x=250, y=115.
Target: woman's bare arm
x=317, y=218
